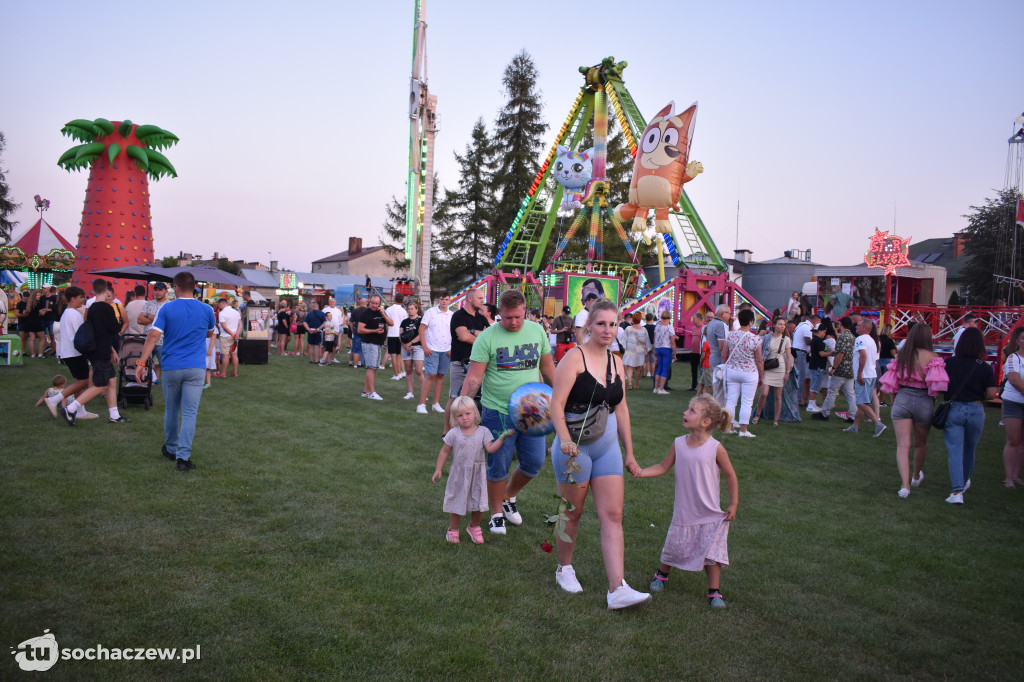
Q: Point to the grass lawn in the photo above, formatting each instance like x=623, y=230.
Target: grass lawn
x=309, y=543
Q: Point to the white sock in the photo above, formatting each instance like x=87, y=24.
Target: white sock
x=114, y=414
x=73, y=407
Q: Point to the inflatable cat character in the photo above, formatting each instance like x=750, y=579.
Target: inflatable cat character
x=661, y=169
x=573, y=171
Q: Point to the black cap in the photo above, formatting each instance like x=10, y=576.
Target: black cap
x=160, y=285
x=566, y=310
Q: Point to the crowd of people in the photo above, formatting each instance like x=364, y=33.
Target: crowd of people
x=739, y=374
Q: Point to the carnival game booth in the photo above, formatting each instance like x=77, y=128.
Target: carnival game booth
x=842, y=288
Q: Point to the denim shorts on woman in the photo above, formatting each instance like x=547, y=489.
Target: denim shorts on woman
x=913, y=403
x=1012, y=410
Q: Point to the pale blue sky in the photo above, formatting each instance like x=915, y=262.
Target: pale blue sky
x=825, y=120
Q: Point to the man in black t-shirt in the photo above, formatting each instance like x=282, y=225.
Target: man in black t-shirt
x=467, y=323
x=106, y=331
x=356, y=354
x=373, y=328
x=816, y=364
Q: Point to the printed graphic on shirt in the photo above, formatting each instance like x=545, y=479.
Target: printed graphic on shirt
x=526, y=356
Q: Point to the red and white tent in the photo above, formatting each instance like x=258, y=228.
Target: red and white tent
x=41, y=238
x=39, y=248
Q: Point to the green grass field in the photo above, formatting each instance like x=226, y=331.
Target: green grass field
x=309, y=544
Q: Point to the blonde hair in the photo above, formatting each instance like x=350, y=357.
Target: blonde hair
x=710, y=409
x=463, y=404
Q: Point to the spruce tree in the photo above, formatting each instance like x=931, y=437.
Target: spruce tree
x=7, y=205
x=517, y=140
x=392, y=236
x=468, y=248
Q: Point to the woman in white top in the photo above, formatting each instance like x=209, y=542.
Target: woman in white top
x=1013, y=408
x=744, y=370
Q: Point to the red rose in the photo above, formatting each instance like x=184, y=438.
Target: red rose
x=546, y=546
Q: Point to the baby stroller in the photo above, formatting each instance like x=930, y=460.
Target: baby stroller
x=130, y=390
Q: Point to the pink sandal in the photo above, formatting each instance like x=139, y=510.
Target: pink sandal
x=475, y=534
x=453, y=536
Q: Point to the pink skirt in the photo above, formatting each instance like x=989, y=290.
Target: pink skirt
x=691, y=548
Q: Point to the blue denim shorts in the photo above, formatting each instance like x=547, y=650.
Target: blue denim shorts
x=357, y=345
x=437, y=362
x=865, y=393
x=529, y=449
x=1012, y=410
x=816, y=377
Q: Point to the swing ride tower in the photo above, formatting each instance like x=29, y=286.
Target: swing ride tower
x=419, y=197
x=551, y=278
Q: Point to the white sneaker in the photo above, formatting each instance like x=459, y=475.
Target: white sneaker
x=52, y=403
x=408, y=396
x=437, y=408
x=396, y=377
x=812, y=408
x=625, y=597
x=421, y=409
x=374, y=396
x=402, y=375
x=511, y=511
x=336, y=361
x=86, y=414
x=364, y=394
x=916, y=481
x=565, y=576
x=955, y=498
x=967, y=486
x=746, y=434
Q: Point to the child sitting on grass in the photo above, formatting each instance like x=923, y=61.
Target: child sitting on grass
x=697, y=537
x=467, y=478
x=59, y=382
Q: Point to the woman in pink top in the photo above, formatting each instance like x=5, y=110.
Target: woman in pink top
x=697, y=538
x=916, y=377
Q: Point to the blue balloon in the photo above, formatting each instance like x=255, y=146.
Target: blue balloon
x=529, y=407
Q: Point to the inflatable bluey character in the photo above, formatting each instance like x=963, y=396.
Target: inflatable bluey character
x=573, y=171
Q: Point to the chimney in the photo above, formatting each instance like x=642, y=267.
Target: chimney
x=742, y=255
x=273, y=266
x=959, y=242
x=355, y=245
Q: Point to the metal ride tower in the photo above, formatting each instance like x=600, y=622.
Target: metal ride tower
x=419, y=197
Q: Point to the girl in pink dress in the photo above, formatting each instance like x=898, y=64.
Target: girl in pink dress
x=697, y=538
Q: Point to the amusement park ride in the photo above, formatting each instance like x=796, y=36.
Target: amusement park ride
x=419, y=198
x=702, y=281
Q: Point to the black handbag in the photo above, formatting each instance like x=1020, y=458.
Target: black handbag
x=941, y=412
x=773, y=363
x=590, y=426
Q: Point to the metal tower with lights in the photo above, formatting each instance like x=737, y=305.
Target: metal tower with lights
x=419, y=198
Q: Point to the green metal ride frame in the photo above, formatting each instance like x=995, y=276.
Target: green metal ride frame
x=526, y=240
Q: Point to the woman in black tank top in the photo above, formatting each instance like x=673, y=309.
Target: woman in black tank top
x=590, y=377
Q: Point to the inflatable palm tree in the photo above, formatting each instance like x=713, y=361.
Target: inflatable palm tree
x=116, y=221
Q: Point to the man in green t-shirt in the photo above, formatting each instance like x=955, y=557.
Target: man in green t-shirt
x=505, y=356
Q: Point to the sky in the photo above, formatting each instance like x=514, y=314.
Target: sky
x=820, y=120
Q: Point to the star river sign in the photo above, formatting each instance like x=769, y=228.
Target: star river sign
x=885, y=251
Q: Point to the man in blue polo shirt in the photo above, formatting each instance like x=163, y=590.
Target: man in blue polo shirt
x=185, y=325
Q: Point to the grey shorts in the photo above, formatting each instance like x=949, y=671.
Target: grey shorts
x=415, y=354
x=707, y=377
x=457, y=372
x=802, y=371
x=913, y=403
x=1012, y=410
x=372, y=355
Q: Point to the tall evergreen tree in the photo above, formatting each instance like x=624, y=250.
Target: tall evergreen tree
x=990, y=249
x=392, y=236
x=7, y=205
x=517, y=139
x=468, y=248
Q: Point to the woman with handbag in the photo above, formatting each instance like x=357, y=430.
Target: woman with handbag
x=1013, y=408
x=744, y=370
x=971, y=381
x=778, y=364
x=917, y=376
x=588, y=409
